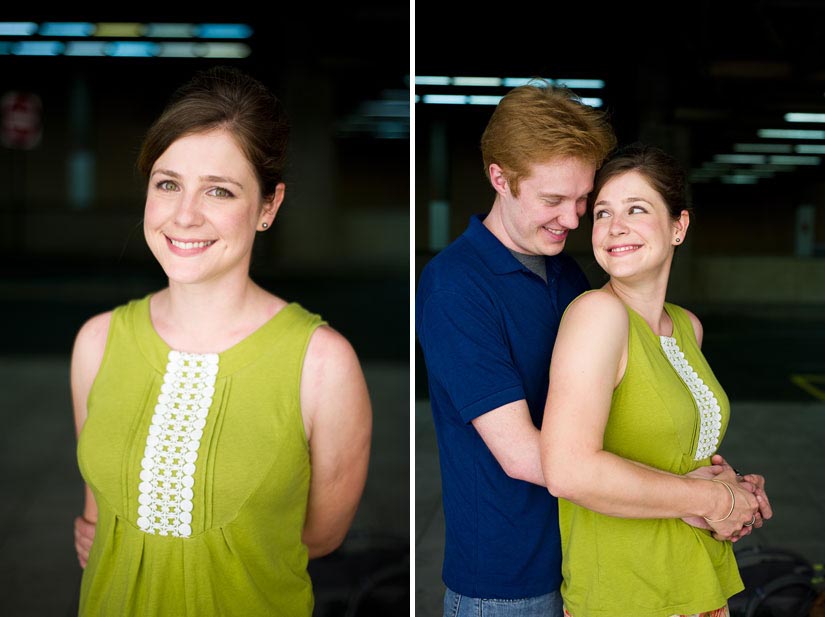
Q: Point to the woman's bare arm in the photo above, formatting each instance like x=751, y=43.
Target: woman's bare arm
x=338, y=420
x=87, y=356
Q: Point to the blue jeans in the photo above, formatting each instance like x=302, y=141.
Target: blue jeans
x=456, y=605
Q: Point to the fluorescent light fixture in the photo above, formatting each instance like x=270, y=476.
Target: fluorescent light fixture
x=86, y=48
x=224, y=50
x=17, y=28
x=66, y=28
x=794, y=160
x=132, y=49
x=592, y=102
x=169, y=31
x=493, y=82
x=809, y=149
x=223, y=31
x=766, y=148
x=769, y=167
x=798, y=117
x=432, y=80
x=483, y=99
x=445, y=99
x=391, y=130
x=385, y=109
x=119, y=29
x=790, y=134
x=739, y=179
x=759, y=173
x=37, y=48
x=740, y=159
x=515, y=82
x=416, y=98
x=5, y=48
x=178, y=50
x=584, y=84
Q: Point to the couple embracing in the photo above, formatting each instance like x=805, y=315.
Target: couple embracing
x=577, y=429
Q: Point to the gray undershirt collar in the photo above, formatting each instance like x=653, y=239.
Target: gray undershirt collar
x=535, y=263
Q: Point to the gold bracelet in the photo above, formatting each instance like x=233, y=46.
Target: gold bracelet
x=732, y=504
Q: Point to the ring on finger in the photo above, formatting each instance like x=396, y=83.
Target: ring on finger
x=753, y=520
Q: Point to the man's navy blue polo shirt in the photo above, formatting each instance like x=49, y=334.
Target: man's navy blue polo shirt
x=487, y=326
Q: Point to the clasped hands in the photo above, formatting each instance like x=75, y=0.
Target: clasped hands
x=748, y=488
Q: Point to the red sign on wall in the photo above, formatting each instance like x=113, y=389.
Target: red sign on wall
x=22, y=125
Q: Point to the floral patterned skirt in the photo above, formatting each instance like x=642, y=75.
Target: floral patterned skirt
x=719, y=612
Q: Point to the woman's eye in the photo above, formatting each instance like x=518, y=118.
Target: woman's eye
x=167, y=185
x=600, y=214
x=637, y=210
x=219, y=191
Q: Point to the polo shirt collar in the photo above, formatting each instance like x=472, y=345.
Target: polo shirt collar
x=494, y=254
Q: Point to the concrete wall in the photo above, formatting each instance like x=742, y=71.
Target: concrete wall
x=762, y=280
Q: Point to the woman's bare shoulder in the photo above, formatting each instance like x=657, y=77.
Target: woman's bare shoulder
x=94, y=331
x=698, y=330
x=597, y=303
x=329, y=350
x=89, y=346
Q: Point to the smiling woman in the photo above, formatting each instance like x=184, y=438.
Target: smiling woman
x=214, y=214
x=223, y=431
x=634, y=417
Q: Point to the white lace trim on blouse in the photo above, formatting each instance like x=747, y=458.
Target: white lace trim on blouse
x=709, y=412
x=168, y=464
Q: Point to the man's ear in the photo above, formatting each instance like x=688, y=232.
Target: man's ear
x=499, y=180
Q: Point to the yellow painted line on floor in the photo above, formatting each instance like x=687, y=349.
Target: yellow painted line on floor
x=806, y=382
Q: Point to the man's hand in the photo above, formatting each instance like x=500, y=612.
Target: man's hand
x=758, y=483
x=84, y=534
x=754, y=483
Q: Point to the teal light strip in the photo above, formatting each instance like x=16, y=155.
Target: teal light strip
x=17, y=28
x=432, y=80
x=766, y=148
x=515, y=82
x=224, y=50
x=780, y=159
x=63, y=28
x=810, y=149
x=85, y=48
x=170, y=31
x=584, y=84
x=445, y=99
x=483, y=99
x=178, y=50
x=741, y=159
x=131, y=49
x=790, y=134
x=223, y=31
x=803, y=117
x=493, y=82
x=37, y=48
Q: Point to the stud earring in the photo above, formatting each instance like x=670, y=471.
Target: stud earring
x=678, y=239
x=264, y=225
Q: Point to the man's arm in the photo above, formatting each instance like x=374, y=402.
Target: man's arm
x=511, y=436
x=469, y=358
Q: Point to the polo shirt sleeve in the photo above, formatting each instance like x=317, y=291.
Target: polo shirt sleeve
x=467, y=354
